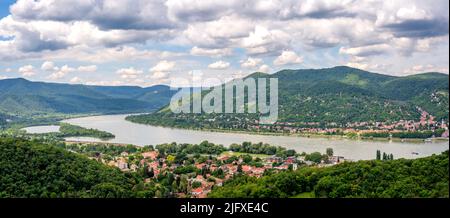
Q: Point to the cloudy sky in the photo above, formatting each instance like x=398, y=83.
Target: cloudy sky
x=146, y=42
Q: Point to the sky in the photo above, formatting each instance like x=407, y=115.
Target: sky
x=148, y=42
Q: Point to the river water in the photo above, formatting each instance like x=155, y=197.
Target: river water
x=139, y=134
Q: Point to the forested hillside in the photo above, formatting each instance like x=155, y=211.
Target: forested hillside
x=425, y=177
x=24, y=98
x=335, y=95
x=32, y=169
x=37, y=169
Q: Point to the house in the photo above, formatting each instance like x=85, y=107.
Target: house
x=133, y=167
x=219, y=182
x=246, y=169
x=282, y=167
x=124, y=154
x=197, y=192
x=199, y=178
x=123, y=165
x=274, y=159
x=231, y=169
x=213, y=168
x=200, y=166
x=309, y=163
x=336, y=159
x=223, y=158
x=258, y=171
x=150, y=155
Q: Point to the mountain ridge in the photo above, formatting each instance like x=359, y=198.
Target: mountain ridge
x=21, y=97
x=336, y=96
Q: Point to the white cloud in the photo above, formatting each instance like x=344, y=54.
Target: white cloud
x=251, y=62
x=105, y=83
x=362, y=66
x=288, y=57
x=263, y=40
x=264, y=68
x=364, y=51
x=48, y=66
x=120, y=32
x=220, y=33
x=129, y=73
x=61, y=73
x=76, y=80
x=215, y=52
x=159, y=75
x=163, y=66
x=27, y=71
x=424, y=69
x=105, y=55
x=89, y=68
x=219, y=65
x=161, y=71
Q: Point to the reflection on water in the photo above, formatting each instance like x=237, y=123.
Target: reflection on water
x=138, y=134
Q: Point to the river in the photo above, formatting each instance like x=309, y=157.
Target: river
x=139, y=134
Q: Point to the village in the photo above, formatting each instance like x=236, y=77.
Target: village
x=426, y=122
x=201, y=172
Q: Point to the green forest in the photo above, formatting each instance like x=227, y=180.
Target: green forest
x=332, y=97
x=425, y=178
x=28, y=101
x=68, y=130
x=36, y=169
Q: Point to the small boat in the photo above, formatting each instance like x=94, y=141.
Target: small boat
x=415, y=153
x=428, y=140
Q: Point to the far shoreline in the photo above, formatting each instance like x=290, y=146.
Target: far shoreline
x=243, y=132
x=300, y=135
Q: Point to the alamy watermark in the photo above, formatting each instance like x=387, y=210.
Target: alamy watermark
x=249, y=95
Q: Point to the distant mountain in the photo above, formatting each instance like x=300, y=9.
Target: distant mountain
x=337, y=95
x=21, y=97
x=344, y=94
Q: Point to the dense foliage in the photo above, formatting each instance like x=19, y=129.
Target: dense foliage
x=204, y=147
x=33, y=169
x=37, y=169
x=24, y=98
x=404, y=134
x=68, y=130
x=424, y=177
x=260, y=148
x=93, y=149
x=331, y=97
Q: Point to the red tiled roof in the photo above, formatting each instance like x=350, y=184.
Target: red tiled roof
x=197, y=191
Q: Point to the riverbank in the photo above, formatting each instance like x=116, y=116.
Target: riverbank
x=304, y=135
x=137, y=134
